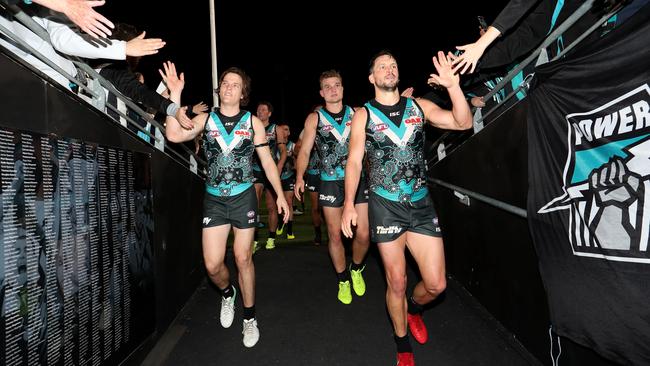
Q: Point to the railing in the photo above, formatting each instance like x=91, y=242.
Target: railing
x=540, y=56
x=446, y=143
x=192, y=161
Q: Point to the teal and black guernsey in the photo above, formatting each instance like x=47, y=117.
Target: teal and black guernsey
x=228, y=145
x=395, y=150
x=332, y=138
x=289, y=168
x=313, y=168
x=271, y=139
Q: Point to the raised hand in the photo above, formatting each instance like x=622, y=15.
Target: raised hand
x=140, y=46
x=614, y=183
x=446, y=76
x=170, y=77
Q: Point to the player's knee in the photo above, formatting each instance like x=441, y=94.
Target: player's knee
x=436, y=286
x=213, y=268
x=243, y=259
x=362, y=236
x=335, y=238
x=396, y=283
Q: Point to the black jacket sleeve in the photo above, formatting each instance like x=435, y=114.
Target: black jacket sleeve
x=522, y=40
x=125, y=81
x=512, y=13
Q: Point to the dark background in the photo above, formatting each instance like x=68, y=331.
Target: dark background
x=284, y=54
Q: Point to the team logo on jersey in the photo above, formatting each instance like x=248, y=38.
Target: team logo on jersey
x=607, y=179
x=399, y=135
x=250, y=214
x=414, y=120
x=339, y=128
x=379, y=127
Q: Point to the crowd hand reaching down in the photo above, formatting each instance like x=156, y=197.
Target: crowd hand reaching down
x=140, y=46
x=446, y=76
x=81, y=13
x=472, y=52
x=176, y=84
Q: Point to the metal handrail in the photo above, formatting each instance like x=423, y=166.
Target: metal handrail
x=572, y=19
x=483, y=198
x=28, y=22
x=582, y=10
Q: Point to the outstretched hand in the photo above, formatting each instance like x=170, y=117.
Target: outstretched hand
x=140, y=46
x=170, y=77
x=81, y=13
x=408, y=92
x=446, y=76
x=199, y=108
x=469, y=58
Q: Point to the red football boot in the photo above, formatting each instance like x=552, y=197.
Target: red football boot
x=417, y=328
x=405, y=359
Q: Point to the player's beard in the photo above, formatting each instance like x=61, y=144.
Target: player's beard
x=388, y=86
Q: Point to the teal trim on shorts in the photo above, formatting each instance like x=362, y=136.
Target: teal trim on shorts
x=404, y=187
x=234, y=190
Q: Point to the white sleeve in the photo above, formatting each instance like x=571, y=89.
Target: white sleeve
x=66, y=40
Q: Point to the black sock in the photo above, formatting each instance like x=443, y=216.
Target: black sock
x=228, y=291
x=290, y=227
x=272, y=234
x=343, y=276
x=317, y=234
x=356, y=267
x=403, y=344
x=249, y=313
x=414, y=307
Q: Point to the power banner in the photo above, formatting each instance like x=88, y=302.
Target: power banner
x=589, y=191
x=76, y=228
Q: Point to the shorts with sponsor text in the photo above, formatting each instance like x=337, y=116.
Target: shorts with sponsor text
x=288, y=184
x=332, y=193
x=390, y=219
x=239, y=210
x=313, y=182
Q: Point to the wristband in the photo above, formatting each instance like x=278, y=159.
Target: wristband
x=172, y=109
